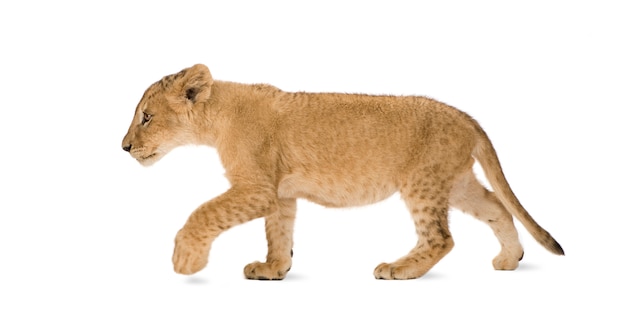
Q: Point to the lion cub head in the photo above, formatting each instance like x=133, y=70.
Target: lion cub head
x=168, y=115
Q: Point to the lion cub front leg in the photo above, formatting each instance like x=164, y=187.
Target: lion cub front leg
x=236, y=206
x=279, y=233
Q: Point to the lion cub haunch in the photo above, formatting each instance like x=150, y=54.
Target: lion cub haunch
x=334, y=149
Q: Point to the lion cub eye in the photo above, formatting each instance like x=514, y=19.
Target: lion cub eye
x=146, y=118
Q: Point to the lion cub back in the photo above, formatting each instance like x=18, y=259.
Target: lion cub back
x=347, y=150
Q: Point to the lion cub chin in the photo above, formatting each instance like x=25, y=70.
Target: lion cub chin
x=337, y=150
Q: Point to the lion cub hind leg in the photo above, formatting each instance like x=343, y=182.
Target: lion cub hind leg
x=471, y=197
x=279, y=233
x=427, y=200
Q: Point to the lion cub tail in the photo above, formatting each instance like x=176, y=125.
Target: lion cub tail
x=486, y=155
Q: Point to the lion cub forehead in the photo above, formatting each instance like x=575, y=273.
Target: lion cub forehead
x=153, y=91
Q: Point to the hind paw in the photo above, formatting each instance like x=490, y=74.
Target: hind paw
x=507, y=261
x=398, y=271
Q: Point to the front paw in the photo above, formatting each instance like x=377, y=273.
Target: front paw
x=191, y=253
x=275, y=270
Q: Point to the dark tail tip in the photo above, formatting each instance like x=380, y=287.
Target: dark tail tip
x=556, y=248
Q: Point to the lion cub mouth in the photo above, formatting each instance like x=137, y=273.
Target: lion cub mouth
x=147, y=160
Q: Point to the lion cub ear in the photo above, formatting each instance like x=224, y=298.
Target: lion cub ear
x=191, y=86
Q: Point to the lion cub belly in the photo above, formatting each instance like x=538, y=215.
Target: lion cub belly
x=335, y=192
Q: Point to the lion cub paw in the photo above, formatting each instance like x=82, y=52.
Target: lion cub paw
x=398, y=271
x=505, y=261
x=267, y=271
x=190, y=255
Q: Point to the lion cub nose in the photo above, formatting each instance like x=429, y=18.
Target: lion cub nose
x=127, y=148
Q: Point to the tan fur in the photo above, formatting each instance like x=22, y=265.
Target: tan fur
x=337, y=150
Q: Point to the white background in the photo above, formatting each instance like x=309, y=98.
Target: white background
x=84, y=229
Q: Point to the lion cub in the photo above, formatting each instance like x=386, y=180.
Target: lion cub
x=337, y=150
